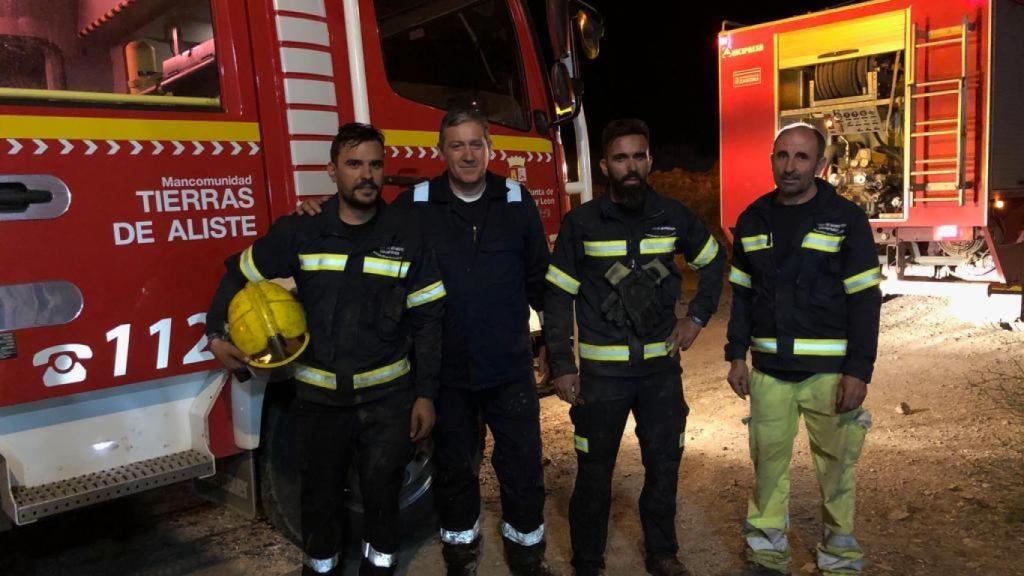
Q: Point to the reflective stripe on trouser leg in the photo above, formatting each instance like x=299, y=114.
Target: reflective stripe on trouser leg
x=773, y=425
x=523, y=539
x=378, y=559
x=321, y=565
x=512, y=413
x=456, y=482
x=461, y=536
x=839, y=554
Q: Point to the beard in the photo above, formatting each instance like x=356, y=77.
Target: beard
x=630, y=196
x=353, y=199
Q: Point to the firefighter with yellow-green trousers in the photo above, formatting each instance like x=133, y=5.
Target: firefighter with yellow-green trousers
x=806, y=305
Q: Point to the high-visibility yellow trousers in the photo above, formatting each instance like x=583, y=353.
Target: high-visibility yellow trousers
x=836, y=441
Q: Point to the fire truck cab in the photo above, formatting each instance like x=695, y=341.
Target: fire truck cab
x=918, y=100
x=143, y=141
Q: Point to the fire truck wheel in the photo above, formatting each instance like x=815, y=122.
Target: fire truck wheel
x=279, y=479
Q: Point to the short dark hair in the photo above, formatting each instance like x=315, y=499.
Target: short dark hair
x=354, y=134
x=458, y=116
x=623, y=127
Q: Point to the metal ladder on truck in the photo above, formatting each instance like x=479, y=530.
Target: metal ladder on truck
x=935, y=172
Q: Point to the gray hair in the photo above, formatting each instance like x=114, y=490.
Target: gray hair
x=459, y=116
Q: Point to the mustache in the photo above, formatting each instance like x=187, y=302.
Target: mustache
x=367, y=184
x=629, y=175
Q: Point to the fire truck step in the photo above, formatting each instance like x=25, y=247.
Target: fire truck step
x=34, y=502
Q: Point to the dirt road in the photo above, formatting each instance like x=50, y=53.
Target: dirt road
x=939, y=491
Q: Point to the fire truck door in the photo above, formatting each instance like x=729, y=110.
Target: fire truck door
x=130, y=167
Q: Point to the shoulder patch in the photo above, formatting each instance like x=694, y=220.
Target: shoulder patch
x=421, y=192
x=515, y=191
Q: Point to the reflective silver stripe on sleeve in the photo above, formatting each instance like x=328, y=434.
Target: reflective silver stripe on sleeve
x=321, y=566
x=515, y=191
x=707, y=254
x=766, y=345
x=528, y=539
x=755, y=243
x=421, y=192
x=432, y=292
x=461, y=536
x=863, y=281
x=740, y=278
x=248, y=266
x=559, y=278
x=378, y=559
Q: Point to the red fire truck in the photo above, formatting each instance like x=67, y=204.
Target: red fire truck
x=143, y=141
x=919, y=101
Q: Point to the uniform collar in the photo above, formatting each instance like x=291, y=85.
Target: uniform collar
x=441, y=189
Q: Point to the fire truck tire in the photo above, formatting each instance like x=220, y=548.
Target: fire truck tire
x=279, y=479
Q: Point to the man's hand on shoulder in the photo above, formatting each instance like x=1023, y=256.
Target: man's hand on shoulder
x=310, y=206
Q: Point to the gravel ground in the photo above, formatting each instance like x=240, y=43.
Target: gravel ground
x=940, y=486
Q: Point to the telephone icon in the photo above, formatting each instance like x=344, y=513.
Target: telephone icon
x=64, y=362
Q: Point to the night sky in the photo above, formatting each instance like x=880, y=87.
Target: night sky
x=658, y=62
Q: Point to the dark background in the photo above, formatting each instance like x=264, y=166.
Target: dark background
x=659, y=62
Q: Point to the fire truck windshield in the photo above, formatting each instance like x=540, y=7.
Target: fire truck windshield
x=455, y=53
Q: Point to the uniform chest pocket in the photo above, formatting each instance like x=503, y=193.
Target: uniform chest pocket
x=389, y=309
x=501, y=261
x=383, y=283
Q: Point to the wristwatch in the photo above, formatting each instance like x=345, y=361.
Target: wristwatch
x=698, y=321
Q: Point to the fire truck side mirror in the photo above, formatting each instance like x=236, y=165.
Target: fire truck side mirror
x=563, y=94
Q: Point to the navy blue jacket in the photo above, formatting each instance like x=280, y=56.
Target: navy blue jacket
x=492, y=275
x=817, y=310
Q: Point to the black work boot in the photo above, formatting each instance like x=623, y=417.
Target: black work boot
x=461, y=559
x=755, y=569
x=665, y=565
x=527, y=560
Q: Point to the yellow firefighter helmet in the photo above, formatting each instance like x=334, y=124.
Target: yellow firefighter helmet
x=268, y=324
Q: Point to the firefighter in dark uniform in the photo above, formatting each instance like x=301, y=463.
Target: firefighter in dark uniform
x=614, y=259
x=366, y=384
x=806, y=304
x=492, y=254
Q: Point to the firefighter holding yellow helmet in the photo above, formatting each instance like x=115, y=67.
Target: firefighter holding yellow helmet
x=366, y=332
